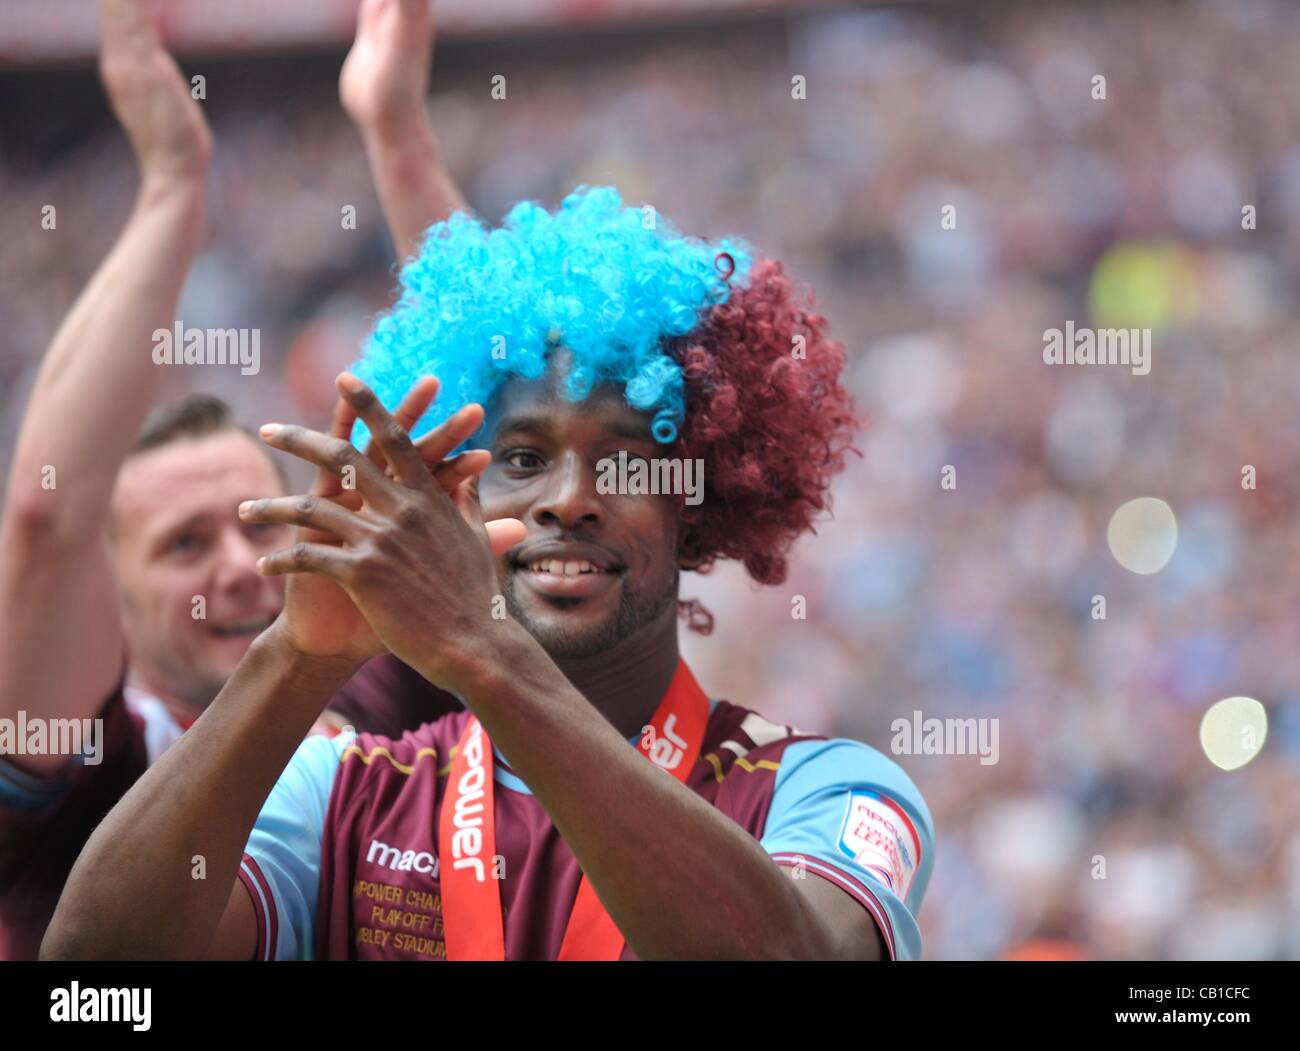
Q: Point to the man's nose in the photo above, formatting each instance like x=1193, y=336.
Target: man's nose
x=569, y=499
x=236, y=561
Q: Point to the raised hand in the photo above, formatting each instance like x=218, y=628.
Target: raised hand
x=165, y=124
x=385, y=77
x=354, y=501
x=383, y=86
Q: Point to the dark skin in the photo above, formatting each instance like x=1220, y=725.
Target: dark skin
x=680, y=880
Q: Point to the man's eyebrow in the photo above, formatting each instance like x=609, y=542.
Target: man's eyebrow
x=532, y=424
x=167, y=528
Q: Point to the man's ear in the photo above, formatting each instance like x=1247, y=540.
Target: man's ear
x=688, y=554
x=689, y=562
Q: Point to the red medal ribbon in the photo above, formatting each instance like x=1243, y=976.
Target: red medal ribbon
x=473, y=923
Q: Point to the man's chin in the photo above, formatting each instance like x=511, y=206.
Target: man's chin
x=569, y=629
x=567, y=636
x=198, y=686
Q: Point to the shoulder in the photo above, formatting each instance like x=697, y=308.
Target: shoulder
x=811, y=764
x=741, y=740
x=800, y=759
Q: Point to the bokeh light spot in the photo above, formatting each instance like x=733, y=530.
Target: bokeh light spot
x=1143, y=534
x=1233, y=731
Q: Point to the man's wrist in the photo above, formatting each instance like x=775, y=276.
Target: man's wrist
x=490, y=657
x=275, y=645
x=400, y=134
x=184, y=196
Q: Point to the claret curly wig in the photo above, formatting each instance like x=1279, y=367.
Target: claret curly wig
x=732, y=365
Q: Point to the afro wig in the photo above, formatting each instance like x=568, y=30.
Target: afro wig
x=733, y=367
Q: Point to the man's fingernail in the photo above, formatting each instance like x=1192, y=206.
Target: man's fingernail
x=245, y=507
x=269, y=430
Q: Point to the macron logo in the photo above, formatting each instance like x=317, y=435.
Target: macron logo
x=102, y=1005
x=402, y=860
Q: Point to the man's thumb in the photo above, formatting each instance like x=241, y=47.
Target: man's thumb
x=502, y=533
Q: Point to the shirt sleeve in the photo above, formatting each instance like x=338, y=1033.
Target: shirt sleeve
x=281, y=865
x=110, y=739
x=848, y=814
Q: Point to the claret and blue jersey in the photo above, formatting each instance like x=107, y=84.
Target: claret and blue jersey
x=343, y=860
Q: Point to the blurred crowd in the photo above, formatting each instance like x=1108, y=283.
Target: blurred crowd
x=1103, y=830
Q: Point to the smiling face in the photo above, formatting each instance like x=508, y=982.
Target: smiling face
x=595, y=570
x=175, y=536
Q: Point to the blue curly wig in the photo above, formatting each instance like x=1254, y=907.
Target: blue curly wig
x=479, y=306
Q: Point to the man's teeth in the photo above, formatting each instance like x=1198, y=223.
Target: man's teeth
x=245, y=627
x=560, y=568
